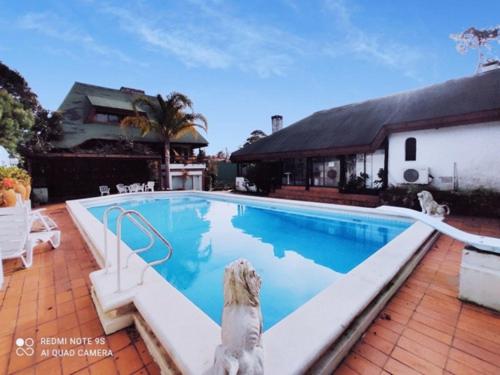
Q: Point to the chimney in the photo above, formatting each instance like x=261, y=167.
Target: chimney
x=277, y=123
x=130, y=90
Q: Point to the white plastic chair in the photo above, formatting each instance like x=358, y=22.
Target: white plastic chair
x=15, y=237
x=141, y=187
x=150, y=186
x=104, y=190
x=134, y=188
x=122, y=189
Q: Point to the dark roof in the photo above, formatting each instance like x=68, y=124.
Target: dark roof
x=80, y=100
x=362, y=127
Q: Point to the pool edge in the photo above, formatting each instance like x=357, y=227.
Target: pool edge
x=278, y=354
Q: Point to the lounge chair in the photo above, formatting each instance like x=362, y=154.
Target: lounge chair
x=104, y=190
x=122, y=189
x=16, y=238
x=150, y=186
x=38, y=222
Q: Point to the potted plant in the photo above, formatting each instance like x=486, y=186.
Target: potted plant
x=8, y=193
x=16, y=179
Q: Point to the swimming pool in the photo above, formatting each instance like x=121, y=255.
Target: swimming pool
x=297, y=253
x=313, y=337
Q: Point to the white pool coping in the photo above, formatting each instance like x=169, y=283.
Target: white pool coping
x=293, y=344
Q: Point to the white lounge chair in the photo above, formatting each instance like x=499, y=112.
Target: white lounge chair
x=150, y=186
x=16, y=238
x=122, y=189
x=38, y=222
x=104, y=190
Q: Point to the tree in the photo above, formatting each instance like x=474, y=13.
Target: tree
x=47, y=125
x=473, y=38
x=16, y=85
x=47, y=128
x=169, y=117
x=254, y=137
x=15, y=122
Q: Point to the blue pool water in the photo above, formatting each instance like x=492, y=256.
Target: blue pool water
x=297, y=255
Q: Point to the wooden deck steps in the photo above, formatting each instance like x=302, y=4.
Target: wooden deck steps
x=325, y=195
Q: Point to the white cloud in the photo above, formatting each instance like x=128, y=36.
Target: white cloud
x=49, y=24
x=216, y=40
x=367, y=45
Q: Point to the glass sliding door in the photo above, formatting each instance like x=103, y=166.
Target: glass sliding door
x=294, y=172
x=325, y=172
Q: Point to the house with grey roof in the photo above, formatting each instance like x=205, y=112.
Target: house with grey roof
x=95, y=150
x=445, y=136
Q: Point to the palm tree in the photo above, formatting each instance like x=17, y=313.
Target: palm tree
x=169, y=117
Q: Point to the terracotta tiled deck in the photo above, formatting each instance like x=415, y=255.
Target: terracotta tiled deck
x=424, y=329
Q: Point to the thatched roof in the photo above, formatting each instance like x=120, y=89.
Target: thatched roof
x=363, y=127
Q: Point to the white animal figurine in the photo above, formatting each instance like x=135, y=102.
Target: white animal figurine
x=430, y=206
x=241, y=351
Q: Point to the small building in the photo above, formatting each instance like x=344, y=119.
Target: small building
x=445, y=136
x=95, y=150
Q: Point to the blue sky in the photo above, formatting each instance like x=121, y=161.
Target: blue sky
x=240, y=61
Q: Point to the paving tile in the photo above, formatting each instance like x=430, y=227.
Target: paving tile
x=370, y=353
x=424, y=352
x=397, y=368
x=476, y=351
x=51, y=366
x=127, y=360
x=429, y=331
x=118, y=340
x=153, y=369
x=72, y=364
x=415, y=362
x=474, y=362
x=423, y=329
x=361, y=365
x=143, y=351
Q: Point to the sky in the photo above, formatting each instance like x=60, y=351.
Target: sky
x=241, y=61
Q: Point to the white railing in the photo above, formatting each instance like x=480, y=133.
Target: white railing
x=146, y=227
x=105, y=220
x=485, y=243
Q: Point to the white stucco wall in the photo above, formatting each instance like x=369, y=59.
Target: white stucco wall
x=374, y=162
x=468, y=155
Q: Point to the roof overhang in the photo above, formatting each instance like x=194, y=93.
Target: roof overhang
x=433, y=123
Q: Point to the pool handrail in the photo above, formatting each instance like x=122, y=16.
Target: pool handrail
x=137, y=224
x=118, y=247
x=485, y=243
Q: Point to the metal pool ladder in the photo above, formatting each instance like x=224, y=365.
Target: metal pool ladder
x=144, y=226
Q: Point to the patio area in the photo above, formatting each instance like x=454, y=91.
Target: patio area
x=424, y=329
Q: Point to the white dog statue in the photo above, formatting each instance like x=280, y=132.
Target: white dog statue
x=241, y=351
x=430, y=206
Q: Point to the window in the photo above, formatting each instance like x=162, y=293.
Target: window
x=294, y=172
x=411, y=149
x=109, y=118
x=325, y=172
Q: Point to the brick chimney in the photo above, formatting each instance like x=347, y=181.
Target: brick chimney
x=277, y=123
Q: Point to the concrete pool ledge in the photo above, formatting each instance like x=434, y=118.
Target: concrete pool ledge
x=293, y=345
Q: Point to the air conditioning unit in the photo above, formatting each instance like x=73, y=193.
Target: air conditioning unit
x=416, y=175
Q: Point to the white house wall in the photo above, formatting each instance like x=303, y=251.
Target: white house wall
x=467, y=155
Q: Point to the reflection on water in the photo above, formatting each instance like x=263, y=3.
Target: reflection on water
x=297, y=256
